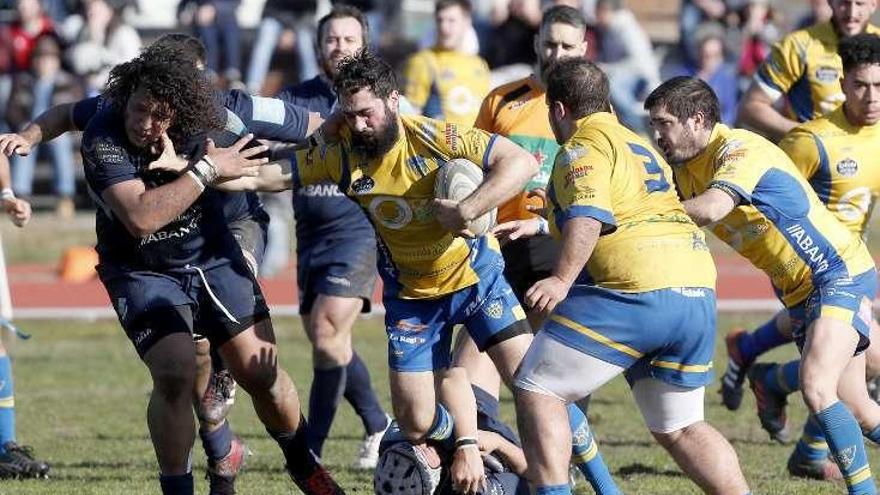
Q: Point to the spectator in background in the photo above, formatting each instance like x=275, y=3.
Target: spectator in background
x=448, y=82
x=33, y=92
x=627, y=57
x=693, y=14
x=280, y=17
x=32, y=23
x=757, y=33
x=216, y=24
x=101, y=39
x=819, y=12
x=713, y=68
x=515, y=24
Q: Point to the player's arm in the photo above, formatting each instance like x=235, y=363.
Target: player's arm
x=18, y=210
x=274, y=176
x=46, y=127
x=758, y=111
x=468, y=475
x=579, y=238
x=491, y=442
x=772, y=81
x=144, y=211
x=273, y=118
x=802, y=146
x=417, y=77
x=509, y=168
x=711, y=206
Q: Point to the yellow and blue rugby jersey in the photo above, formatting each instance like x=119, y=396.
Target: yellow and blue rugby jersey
x=805, y=68
x=418, y=258
x=518, y=110
x=648, y=242
x=780, y=225
x=447, y=85
x=841, y=163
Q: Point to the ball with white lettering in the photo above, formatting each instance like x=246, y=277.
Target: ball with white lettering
x=457, y=180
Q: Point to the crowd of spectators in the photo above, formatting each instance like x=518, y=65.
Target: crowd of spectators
x=55, y=51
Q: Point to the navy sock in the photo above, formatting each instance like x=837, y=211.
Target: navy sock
x=359, y=393
x=301, y=461
x=324, y=398
x=217, y=443
x=873, y=435
x=764, y=338
x=7, y=403
x=178, y=484
x=216, y=361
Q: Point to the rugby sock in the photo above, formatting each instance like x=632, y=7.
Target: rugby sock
x=783, y=378
x=7, y=403
x=442, y=427
x=218, y=442
x=176, y=484
x=845, y=441
x=486, y=402
x=812, y=445
x=585, y=454
x=553, y=490
x=761, y=340
x=360, y=394
x=217, y=363
x=301, y=461
x=873, y=435
x=324, y=399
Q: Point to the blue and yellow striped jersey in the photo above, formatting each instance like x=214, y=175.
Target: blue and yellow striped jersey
x=838, y=159
x=805, y=68
x=780, y=224
x=447, y=85
x=648, y=242
x=418, y=258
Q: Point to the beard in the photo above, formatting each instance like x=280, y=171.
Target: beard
x=381, y=141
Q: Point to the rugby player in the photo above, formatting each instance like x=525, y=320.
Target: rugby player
x=435, y=274
x=803, y=74
x=16, y=461
x=170, y=262
x=612, y=205
x=800, y=80
x=267, y=119
x=445, y=82
x=518, y=110
x=837, y=154
x=336, y=260
x=759, y=203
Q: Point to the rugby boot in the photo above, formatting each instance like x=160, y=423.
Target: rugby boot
x=219, y=397
x=823, y=469
x=319, y=482
x=222, y=473
x=732, y=382
x=18, y=462
x=771, y=404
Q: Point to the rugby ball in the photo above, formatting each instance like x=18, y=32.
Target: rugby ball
x=457, y=180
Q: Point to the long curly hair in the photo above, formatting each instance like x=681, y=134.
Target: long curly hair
x=172, y=79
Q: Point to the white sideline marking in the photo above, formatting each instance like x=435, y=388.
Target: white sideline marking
x=105, y=312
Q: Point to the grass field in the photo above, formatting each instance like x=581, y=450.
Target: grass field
x=81, y=395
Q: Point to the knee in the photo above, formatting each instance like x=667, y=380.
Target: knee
x=817, y=393
x=259, y=378
x=174, y=382
x=415, y=420
x=330, y=347
x=669, y=439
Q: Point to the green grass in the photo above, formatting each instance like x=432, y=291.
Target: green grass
x=81, y=395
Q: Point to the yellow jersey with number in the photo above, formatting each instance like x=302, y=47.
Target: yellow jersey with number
x=447, y=85
x=804, y=67
x=418, y=258
x=518, y=111
x=841, y=163
x=780, y=225
x=648, y=242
